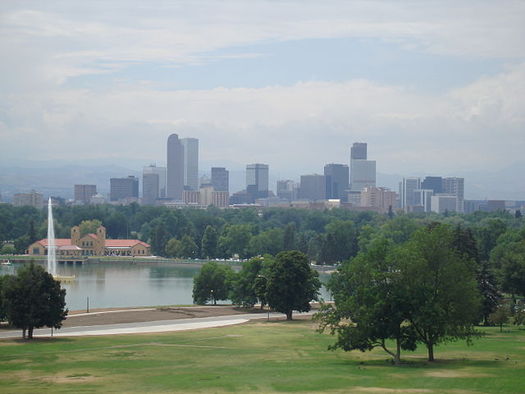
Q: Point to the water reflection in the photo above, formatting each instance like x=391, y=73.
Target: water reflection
x=129, y=284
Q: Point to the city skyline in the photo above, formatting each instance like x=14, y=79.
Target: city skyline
x=252, y=81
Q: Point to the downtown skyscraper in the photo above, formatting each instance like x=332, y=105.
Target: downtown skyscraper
x=175, y=168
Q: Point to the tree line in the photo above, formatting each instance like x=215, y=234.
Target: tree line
x=285, y=283
x=325, y=237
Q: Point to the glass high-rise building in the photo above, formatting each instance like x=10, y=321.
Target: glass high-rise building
x=358, y=151
x=220, y=179
x=175, y=168
x=191, y=163
x=337, y=180
x=257, y=176
x=122, y=188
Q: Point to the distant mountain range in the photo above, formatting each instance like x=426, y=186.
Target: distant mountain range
x=58, y=180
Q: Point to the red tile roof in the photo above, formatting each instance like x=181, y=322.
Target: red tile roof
x=58, y=242
x=124, y=243
x=115, y=243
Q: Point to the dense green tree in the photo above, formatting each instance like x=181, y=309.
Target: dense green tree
x=7, y=249
x=500, y=316
x=89, y=226
x=3, y=281
x=488, y=289
x=188, y=247
x=267, y=242
x=33, y=299
x=212, y=283
x=247, y=285
x=173, y=248
x=235, y=240
x=292, y=284
x=289, y=237
x=209, y=242
x=370, y=305
x=488, y=232
x=513, y=268
x=159, y=238
x=340, y=242
x=441, y=287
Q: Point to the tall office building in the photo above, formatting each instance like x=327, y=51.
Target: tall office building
x=407, y=195
x=362, y=174
x=434, y=183
x=124, y=188
x=362, y=171
x=337, y=179
x=257, y=180
x=455, y=187
x=161, y=172
x=313, y=187
x=423, y=198
x=83, y=193
x=220, y=179
x=379, y=198
x=150, y=188
x=358, y=151
x=175, y=168
x=191, y=163
x=287, y=190
x=32, y=199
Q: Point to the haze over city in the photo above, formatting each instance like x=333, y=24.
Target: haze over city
x=434, y=88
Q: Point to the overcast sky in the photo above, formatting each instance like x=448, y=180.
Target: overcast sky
x=434, y=87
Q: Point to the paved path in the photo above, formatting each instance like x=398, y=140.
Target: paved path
x=146, y=327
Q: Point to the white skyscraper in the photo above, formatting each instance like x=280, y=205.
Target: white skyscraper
x=161, y=172
x=362, y=171
x=407, y=195
x=362, y=174
x=191, y=162
x=456, y=187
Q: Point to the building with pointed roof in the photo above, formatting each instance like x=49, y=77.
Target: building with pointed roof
x=91, y=245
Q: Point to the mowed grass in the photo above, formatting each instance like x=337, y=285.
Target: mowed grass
x=260, y=356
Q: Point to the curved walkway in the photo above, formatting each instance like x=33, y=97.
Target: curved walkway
x=147, y=327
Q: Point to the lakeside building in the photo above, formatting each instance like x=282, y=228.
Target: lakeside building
x=91, y=245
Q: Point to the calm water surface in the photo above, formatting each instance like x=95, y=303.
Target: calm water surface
x=128, y=284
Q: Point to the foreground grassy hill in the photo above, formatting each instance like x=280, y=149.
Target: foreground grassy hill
x=260, y=356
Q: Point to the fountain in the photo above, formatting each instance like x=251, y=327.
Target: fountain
x=51, y=247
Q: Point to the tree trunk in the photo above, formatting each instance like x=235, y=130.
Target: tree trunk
x=24, y=333
x=30, y=333
x=397, y=357
x=430, y=347
x=262, y=306
x=289, y=315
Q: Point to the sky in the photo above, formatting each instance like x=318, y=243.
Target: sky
x=433, y=87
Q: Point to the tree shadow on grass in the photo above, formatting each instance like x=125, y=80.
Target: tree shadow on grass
x=423, y=363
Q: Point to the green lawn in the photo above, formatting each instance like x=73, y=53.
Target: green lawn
x=263, y=356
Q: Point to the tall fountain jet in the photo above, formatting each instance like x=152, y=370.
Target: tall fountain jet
x=51, y=246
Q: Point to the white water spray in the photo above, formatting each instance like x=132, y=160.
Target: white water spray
x=51, y=246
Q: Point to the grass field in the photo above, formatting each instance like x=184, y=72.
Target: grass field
x=261, y=356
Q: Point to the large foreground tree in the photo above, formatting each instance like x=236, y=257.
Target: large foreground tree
x=441, y=287
x=34, y=299
x=370, y=306
x=291, y=283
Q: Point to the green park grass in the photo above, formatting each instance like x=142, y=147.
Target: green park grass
x=259, y=356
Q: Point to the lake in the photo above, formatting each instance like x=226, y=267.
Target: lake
x=127, y=284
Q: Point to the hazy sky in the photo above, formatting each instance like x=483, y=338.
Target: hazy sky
x=432, y=86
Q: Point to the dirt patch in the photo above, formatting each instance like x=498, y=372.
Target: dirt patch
x=75, y=378
x=456, y=374
x=164, y=313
